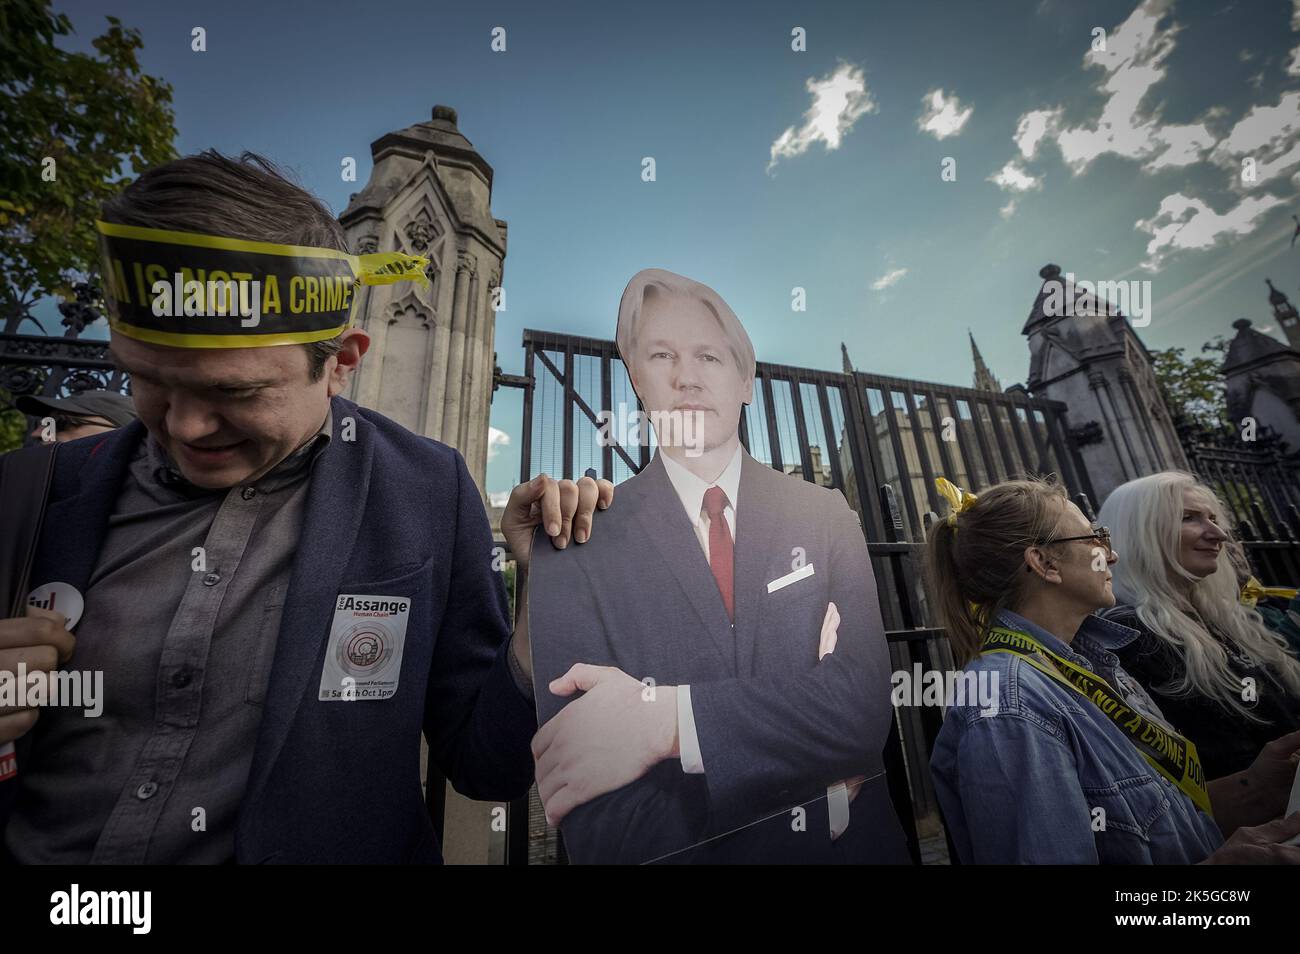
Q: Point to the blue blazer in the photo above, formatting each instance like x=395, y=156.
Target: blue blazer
x=390, y=513
x=775, y=725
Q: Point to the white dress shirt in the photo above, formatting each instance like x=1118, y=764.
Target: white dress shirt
x=690, y=490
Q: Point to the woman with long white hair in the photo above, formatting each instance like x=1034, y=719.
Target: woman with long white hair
x=1217, y=672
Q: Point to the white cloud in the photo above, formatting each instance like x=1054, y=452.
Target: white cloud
x=1008, y=210
x=891, y=277
x=1184, y=222
x=1295, y=15
x=1014, y=178
x=839, y=100
x=1293, y=68
x=1269, y=134
x=1236, y=259
x=498, y=498
x=1132, y=63
x=496, y=440
x=1031, y=129
x=942, y=115
x=1183, y=145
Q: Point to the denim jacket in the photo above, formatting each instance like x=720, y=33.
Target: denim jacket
x=1024, y=784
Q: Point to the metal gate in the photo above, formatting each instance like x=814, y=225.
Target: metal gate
x=1261, y=486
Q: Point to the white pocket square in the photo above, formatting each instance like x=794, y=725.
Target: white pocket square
x=795, y=577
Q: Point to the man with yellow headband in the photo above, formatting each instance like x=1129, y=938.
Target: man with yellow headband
x=281, y=589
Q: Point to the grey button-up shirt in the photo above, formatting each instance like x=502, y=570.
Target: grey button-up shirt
x=185, y=638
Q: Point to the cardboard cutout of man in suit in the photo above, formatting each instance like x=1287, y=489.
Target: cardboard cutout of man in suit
x=723, y=630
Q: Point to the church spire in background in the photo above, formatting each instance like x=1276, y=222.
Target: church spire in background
x=984, y=380
x=1285, y=314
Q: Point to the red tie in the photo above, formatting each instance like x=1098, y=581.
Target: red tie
x=721, y=555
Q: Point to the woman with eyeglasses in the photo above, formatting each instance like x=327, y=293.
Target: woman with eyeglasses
x=1074, y=764
x=1217, y=671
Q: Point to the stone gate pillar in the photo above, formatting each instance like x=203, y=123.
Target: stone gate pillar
x=1092, y=360
x=430, y=362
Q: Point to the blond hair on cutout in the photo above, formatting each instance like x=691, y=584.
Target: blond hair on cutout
x=658, y=281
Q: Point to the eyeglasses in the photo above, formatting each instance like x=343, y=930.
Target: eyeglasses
x=1099, y=536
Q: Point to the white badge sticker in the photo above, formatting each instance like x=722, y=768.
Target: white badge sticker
x=781, y=582
x=61, y=598
x=364, y=659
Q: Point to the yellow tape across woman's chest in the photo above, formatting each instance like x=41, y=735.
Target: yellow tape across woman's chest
x=190, y=290
x=1169, y=753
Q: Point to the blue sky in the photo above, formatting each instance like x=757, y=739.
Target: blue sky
x=1123, y=164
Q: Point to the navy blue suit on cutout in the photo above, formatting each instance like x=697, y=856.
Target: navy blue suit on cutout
x=775, y=724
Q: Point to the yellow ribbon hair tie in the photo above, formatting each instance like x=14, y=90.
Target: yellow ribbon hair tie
x=959, y=500
x=1252, y=591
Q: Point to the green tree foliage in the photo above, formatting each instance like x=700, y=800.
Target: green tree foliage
x=1192, y=388
x=13, y=424
x=1219, y=345
x=509, y=571
x=97, y=116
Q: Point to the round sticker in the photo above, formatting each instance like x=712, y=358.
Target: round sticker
x=61, y=598
x=366, y=649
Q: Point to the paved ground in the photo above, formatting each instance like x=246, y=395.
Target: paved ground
x=934, y=850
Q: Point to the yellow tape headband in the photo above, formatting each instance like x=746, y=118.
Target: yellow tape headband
x=190, y=290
